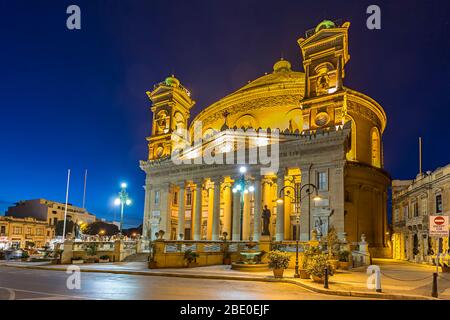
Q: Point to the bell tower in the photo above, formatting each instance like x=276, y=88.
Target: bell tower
x=171, y=104
x=325, y=53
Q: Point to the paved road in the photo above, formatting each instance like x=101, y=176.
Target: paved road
x=16, y=283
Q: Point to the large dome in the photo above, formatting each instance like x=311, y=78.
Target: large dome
x=271, y=101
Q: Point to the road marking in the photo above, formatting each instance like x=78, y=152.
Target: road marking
x=12, y=290
x=12, y=294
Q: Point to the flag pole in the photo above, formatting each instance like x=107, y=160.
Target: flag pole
x=84, y=191
x=65, y=209
x=420, y=155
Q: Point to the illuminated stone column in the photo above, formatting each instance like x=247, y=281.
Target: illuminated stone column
x=165, y=223
x=267, y=192
x=198, y=210
x=258, y=209
x=216, y=208
x=236, y=235
x=210, y=211
x=181, y=210
x=227, y=209
x=279, y=236
x=146, y=226
x=246, y=219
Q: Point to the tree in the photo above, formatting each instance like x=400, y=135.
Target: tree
x=70, y=227
x=97, y=227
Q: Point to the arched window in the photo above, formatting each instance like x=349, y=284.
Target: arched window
x=351, y=154
x=375, y=147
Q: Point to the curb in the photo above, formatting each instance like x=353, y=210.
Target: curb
x=360, y=294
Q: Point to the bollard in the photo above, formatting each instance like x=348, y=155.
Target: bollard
x=434, y=292
x=325, y=282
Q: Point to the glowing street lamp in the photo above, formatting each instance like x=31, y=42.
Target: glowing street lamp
x=121, y=201
x=243, y=186
x=311, y=188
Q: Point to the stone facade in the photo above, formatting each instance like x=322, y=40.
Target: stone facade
x=16, y=232
x=322, y=133
x=413, y=201
x=50, y=211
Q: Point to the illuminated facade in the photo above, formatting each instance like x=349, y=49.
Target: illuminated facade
x=329, y=135
x=413, y=201
x=50, y=211
x=18, y=232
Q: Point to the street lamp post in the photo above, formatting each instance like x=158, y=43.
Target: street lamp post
x=121, y=201
x=311, y=188
x=244, y=187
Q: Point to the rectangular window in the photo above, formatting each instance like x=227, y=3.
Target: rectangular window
x=17, y=230
x=175, y=197
x=439, y=203
x=406, y=212
x=424, y=206
x=188, y=199
x=157, y=197
x=416, y=209
x=28, y=230
x=3, y=230
x=322, y=180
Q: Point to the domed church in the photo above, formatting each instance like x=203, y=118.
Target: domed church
x=288, y=156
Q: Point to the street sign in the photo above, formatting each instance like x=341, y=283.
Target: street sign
x=439, y=226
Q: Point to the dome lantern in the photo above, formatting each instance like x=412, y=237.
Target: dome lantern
x=282, y=66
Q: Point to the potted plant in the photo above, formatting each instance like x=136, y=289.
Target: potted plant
x=309, y=252
x=77, y=260
x=445, y=267
x=160, y=234
x=91, y=251
x=103, y=259
x=190, y=258
x=317, y=265
x=344, y=260
x=278, y=261
x=333, y=247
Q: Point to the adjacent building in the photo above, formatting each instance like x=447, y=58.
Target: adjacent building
x=317, y=132
x=49, y=211
x=21, y=232
x=413, y=201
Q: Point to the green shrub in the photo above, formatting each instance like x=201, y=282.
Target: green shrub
x=104, y=257
x=317, y=265
x=190, y=256
x=278, y=259
x=344, y=256
x=308, y=253
x=91, y=249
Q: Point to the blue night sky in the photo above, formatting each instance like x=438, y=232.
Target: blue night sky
x=76, y=99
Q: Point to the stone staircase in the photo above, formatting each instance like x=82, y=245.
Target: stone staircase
x=137, y=257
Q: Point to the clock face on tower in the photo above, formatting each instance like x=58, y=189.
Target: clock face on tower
x=322, y=119
x=159, y=151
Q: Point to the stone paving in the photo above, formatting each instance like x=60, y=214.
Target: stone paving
x=398, y=277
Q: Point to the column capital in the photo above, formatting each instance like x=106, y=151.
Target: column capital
x=181, y=183
x=217, y=179
x=198, y=181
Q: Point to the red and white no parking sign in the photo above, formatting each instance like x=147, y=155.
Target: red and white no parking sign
x=439, y=226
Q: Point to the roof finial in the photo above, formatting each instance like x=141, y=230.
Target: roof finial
x=225, y=124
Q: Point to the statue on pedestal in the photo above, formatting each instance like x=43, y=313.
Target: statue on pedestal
x=266, y=221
